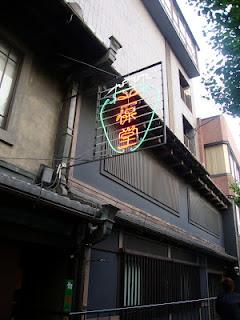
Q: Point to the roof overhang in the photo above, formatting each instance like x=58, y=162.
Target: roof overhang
x=47, y=197
x=160, y=228
x=166, y=27
x=187, y=166
x=50, y=28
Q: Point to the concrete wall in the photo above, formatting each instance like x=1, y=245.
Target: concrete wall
x=142, y=45
x=223, y=182
x=34, y=114
x=180, y=108
x=216, y=129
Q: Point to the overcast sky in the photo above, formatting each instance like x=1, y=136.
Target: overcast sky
x=205, y=108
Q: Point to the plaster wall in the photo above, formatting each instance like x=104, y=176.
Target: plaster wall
x=34, y=113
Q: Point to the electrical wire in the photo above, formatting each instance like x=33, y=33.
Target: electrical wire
x=62, y=158
x=44, y=159
x=88, y=65
x=76, y=157
x=79, y=156
x=196, y=129
x=204, y=124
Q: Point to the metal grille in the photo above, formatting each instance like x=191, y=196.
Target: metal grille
x=130, y=113
x=214, y=284
x=214, y=289
x=150, y=281
x=203, y=214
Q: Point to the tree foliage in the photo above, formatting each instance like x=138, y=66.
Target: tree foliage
x=236, y=189
x=222, y=79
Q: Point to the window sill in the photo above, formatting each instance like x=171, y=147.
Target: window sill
x=7, y=137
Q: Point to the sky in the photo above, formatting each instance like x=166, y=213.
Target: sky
x=204, y=107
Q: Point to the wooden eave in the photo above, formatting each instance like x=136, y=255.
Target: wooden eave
x=182, y=161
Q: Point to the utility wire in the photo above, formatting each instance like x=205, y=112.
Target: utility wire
x=196, y=130
x=88, y=65
x=77, y=157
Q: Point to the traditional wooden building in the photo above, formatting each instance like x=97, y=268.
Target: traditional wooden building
x=220, y=155
x=85, y=232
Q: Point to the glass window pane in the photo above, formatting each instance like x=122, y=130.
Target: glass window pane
x=8, y=70
x=13, y=56
x=4, y=48
x=1, y=121
x=3, y=60
x=4, y=94
x=175, y=17
x=238, y=218
x=168, y=6
x=6, y=87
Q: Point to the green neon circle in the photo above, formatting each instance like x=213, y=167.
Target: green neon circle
x=145, y=134
x=103, y=125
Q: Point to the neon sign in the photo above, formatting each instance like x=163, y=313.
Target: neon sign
x=130, y=115
x=128, y=136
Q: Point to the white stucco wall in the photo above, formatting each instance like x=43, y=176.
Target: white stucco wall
x=142, y=44
x=180, y=108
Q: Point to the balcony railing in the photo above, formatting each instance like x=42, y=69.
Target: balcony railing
x=181, y=29
x=201, y=309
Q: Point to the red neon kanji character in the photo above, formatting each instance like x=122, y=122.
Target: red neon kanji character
x=127, y=113
x=128, y=137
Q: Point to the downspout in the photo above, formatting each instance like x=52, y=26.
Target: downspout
x=92, y=235
x=65, y=136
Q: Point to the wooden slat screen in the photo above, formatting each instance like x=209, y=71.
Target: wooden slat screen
x=203, y=214
x=151, y=281
x=143, y=172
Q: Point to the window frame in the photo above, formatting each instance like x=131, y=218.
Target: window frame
x=182, y=91
x=8, y=132
x=237, y=212
x=189, y=135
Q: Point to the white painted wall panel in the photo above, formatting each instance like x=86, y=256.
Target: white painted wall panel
x=180, y=108
x=142, y=44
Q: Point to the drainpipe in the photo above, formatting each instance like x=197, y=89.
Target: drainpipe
x=92, y=235
x=65, y=135
x=68, y=114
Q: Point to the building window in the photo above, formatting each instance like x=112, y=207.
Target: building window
x=185, y=91
x=238, y=218
x=234, y=169
x=149, y=280
x=132, y=282
x=9, y=63
x=189, y=136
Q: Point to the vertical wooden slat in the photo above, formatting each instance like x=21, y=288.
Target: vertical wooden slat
x=144, y=173
x=150, y=281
